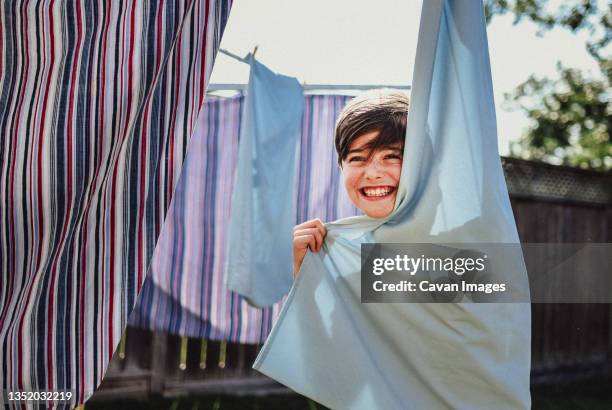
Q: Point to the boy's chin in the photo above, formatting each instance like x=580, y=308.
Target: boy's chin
x=379, y=212
x=378, y=215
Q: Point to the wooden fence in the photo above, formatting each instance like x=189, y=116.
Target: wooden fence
x=562, y=204
x=550, y=204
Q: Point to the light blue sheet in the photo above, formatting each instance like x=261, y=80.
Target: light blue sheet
x=347, y=355
x=260, y=247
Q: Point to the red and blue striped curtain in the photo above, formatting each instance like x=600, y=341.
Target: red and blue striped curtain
x=184, y=293
x=98, y=100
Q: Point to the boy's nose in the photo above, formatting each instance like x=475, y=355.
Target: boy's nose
x=373, y=170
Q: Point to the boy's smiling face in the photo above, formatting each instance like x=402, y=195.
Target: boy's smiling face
x=371, y=178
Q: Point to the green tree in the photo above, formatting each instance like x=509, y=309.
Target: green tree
x=571, y=114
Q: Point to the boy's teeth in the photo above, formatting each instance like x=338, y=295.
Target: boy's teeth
x=377, y=191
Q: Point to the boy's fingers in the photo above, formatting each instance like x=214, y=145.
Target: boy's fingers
x=312, y=227
x=319, y=224
x=322, y=231
x=309, y=231
x=313, y=223
x=307, y=224
x=316, y=233
x=299, y=229
x=304, y=242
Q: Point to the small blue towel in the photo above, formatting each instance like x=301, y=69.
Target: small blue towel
x=260, y=247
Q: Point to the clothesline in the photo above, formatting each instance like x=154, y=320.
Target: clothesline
x=306, y=87
x=235, y=56
x=312, y=87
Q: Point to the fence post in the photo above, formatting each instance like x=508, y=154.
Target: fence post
x=158, y=362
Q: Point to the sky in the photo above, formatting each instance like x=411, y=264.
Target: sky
x=353, y=42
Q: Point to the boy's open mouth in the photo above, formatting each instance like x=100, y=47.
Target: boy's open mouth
x=377, y=193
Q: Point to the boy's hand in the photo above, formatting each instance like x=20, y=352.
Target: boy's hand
x=307, y=235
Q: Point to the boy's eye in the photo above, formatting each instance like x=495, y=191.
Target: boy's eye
x=356, y=158
x=393, y=156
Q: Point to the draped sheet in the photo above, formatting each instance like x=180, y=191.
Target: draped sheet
x=184, y=293
x=260, y=248
x=97, y=103
x=347, y=355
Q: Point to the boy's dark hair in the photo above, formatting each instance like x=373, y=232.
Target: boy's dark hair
x=385, y=111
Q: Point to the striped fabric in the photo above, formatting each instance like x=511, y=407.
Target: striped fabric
x=184, y=292
x=97, y=103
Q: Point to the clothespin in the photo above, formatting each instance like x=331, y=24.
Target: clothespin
x=255, y=50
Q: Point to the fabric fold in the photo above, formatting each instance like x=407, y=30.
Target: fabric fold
x=347, y=355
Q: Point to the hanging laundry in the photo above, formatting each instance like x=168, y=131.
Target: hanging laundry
x=329, y=346
x=192, y=247
x=98, y=101
x=184, y=292
x=260, y=249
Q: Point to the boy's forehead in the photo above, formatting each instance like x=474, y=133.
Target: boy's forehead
x=364, y=146
x=366, y=140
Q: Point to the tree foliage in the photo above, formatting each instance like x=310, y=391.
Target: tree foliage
x=571, y=114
